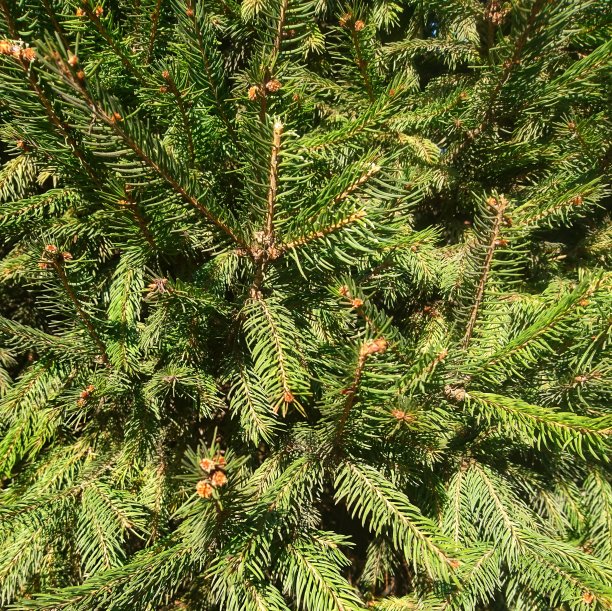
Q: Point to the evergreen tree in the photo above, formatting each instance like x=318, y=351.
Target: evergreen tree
x=306, y=305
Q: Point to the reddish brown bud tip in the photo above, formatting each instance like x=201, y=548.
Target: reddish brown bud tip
x=28, y=54
x=207, y=465
x=359, y=25
x=588, y=598
x=345, y=19
x=218, y=479
x=204, y=489
x=253, y=92
x=273, y=85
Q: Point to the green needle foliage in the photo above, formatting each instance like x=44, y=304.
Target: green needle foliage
x=306, y=305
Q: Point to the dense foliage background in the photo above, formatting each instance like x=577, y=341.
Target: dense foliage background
x=305, y=305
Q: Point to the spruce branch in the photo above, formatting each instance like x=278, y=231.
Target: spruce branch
x=499, y=206
x=85, y=318
x=154, y=26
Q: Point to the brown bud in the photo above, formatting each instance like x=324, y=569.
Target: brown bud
x=398, y=414
x=288, y=397
x=159, y=285
x=73, y=60
x=28, y=54
x=207, y=464
x=67, y=256
x=116, y=118
x=359, y=25
x=577, y=200
x=253, y=92
x=80, y=12
x=571, y=125
x=273, y=85
x=80, y=75
x=163, y=89
x=455, y=393
x=165, y=75
x=189, y=12
x=379, y=345
x=51, y=249
x=204, y=489
x=356, y=303
x=588, y=597
x=345, y=19
x=218, y=479
x=220, y=460
x=98, y=11
x=584, y=302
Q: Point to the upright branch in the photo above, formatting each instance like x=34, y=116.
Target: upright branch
x=273, y=182
x=368, y=348
x=264, y=248
x=508, y=66
x=184, y=116
x=191, y=13
x=279, y=30
x=355, y=27
x=52, y=257
x=154, y=26
x=499, y=205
